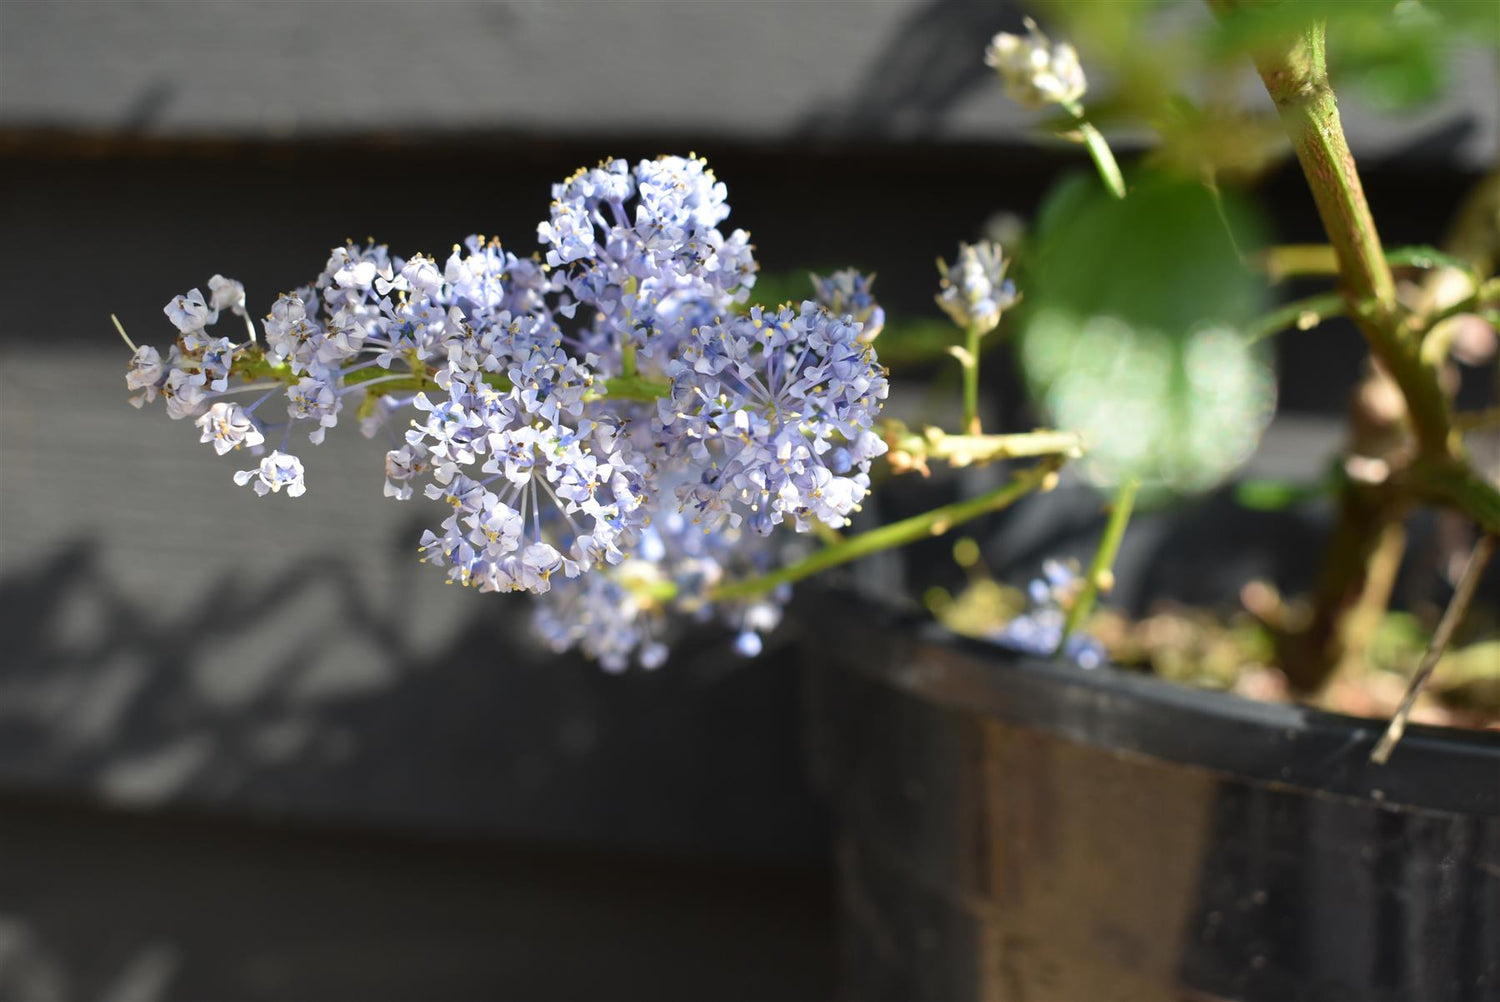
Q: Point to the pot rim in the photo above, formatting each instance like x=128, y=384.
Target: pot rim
x=1272, y=744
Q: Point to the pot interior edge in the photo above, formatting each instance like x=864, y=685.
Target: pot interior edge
x=1434, y=768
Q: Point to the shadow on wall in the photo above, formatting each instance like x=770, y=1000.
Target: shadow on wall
x=229, y=702
x=927, y=65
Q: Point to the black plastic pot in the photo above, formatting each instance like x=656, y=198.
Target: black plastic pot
x=1010, y=828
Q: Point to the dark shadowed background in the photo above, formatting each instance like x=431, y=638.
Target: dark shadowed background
x=251, y=748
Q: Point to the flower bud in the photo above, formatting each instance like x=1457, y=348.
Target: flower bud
x=1036, y=71
x=975, y=290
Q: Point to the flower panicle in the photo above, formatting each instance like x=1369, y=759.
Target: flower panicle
x=491, y=376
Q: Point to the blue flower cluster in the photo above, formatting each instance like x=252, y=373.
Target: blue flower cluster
x=605, y=423
x=1039, y=629
x=776, y=410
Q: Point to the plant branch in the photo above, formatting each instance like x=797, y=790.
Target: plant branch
x=1457, y=485
x=1296, y=77
x=886, y=537
x=1463, y=595
x=1286, y=261
x=1320, y=260
x=1486, y=295
x=911, y=450
x=254, y=365
x=1100, y=575
x=1475, y=420
x=1303, y=314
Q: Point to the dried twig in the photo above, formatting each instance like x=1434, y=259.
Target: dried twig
x=1452, y=616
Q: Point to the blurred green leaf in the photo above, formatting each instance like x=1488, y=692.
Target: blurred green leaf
x=1131, y=332
x=1395, y=53
x=1275, y=495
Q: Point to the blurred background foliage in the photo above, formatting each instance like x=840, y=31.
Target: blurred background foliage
x=1131, y=328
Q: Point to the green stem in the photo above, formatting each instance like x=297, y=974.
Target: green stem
x=1321, y=261
x=1297, y=261
x=909, y=449
x=1100, y=574
x=1104, y=159
x=1456, y=484
x=970, y=362
x=1296, y=77
x=1303, y=314
x=1098, y=147
x=636, y=388
x=1485, y=296
x=253, y=365
x=886, y=537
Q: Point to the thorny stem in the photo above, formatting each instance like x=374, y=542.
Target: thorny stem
x=1100, y=576
x=1452, y=616
x=930, y=523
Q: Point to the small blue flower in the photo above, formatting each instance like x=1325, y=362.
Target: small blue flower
x=759, y=401
x=1039, y=629
x=847, y=294
x=975, y=290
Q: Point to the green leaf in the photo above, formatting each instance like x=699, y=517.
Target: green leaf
x=1263, y=494
x=1132, y=331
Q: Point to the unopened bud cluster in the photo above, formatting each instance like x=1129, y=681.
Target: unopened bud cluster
x=1036, y=70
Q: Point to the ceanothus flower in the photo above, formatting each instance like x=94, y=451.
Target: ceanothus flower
x=228, y=427
x=619, y=613
x=226, y=294
x=145, y=373
x=189, y=313
x=314, y=399
x=564, y=492
x=847, y=293
x=275, y=472
x=1036, y=71
x=555, y=475
x=215, y=360
x=402, y=466
x=603, y=615
x=293, y=334
x=642, y=250
x=183, y=390
x=975, y=290
x=1039, y=629
x=777, y=410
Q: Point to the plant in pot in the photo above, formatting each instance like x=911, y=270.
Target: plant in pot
x=623, y=426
